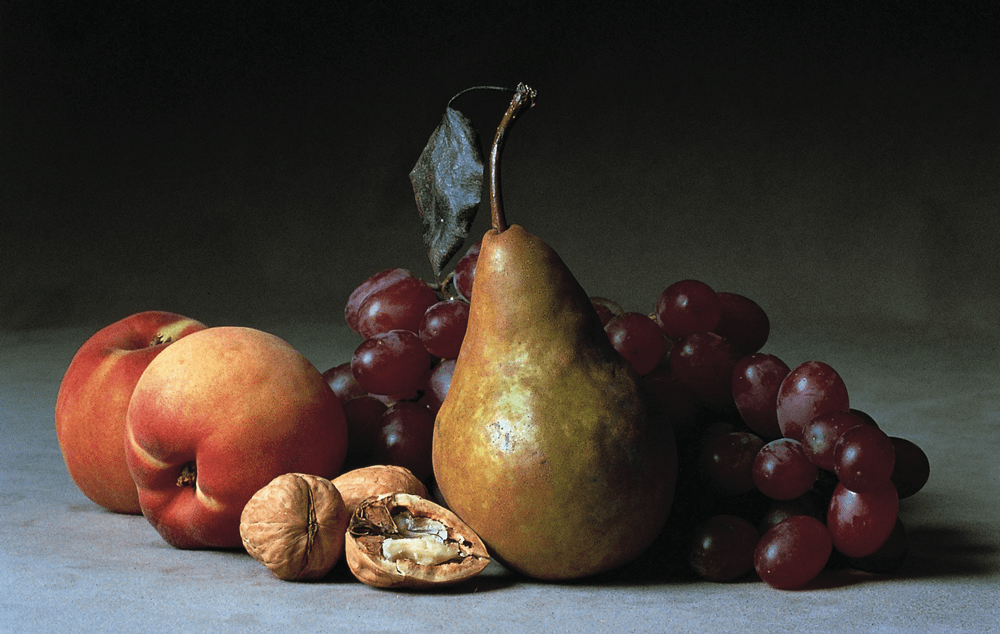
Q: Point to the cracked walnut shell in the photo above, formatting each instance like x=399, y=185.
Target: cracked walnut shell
x=360, y=484
x=398, y=540
x=295, y=526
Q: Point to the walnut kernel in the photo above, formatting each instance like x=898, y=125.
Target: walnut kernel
x=398, y=540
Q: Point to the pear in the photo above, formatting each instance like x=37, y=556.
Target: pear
x=546, y=445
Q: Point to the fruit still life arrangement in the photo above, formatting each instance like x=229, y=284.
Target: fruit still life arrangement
x=498, y=414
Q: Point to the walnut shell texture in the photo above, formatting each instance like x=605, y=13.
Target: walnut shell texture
x=295, y=526
x=382, y=528
x=360, y=484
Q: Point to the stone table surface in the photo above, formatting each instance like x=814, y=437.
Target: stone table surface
x=67, y=565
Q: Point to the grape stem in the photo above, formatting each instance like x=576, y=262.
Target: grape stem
x=524, y=98
x=471, y=88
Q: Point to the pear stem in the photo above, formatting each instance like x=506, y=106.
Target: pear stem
x=524, y=98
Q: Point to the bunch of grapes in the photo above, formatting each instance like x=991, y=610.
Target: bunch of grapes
x=398, y=376
x=777, y=473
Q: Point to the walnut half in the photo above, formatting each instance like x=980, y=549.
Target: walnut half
x=398, y=540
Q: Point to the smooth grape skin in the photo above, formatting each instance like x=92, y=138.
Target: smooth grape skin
x=820, y=436
x=465, y=271
x=861, y=522
x=341, y=380
x=705, y=362
x=392, y=363
x=742, y=322
x=722, y=548
x=405, y=438
x=687, y=307
x=781, y=470
x=443, y=326
x=793, y=552
x=438, y=384
x=637, y=338
x=864, y=458
x=756, y=380
x=783, y=509
x=726, y=462
x=912, y=468
x=371, y=285
x=398, y=306
x=810, y=389
x=890, y=555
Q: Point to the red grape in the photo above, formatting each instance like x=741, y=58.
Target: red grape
x=756, y=379
x=781, y=470
x=820, y=436
x=442, y=328
x=687, y=307
x=726, y=462
x=637, y=338
x=465, y=271
x=341, y=380
x=722, y=548
x=861, y=522
x=398, y=306
x=912, y=468
x=864, y=416
x=811, y=389
x=704, y=362
x=373, y=284
x=793, y=552
x=391, y=363
x=889, y=556
x=405, y=438
x=438, y=384
x=743, y=323
x=864, y=458
x=782, y=509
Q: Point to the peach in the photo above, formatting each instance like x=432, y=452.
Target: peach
x=93, y=398
x=214, y=419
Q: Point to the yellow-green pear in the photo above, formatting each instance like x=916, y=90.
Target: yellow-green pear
x=545, y=444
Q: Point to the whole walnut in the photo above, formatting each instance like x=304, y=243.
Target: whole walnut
x=295, y=526
x=360, y=484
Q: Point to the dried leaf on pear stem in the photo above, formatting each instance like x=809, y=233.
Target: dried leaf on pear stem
x=400, y=540
x=448, y=186
x=295, y=525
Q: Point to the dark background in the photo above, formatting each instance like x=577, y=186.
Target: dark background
x=248, y=163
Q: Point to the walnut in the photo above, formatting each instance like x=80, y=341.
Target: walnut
x=398, y=540
x=296, y=526
x=360, y=484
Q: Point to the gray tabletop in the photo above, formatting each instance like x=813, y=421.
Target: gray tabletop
x=68, y=565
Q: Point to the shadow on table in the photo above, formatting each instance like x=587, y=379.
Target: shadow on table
x=494, y=577
x=944, y=551
x=934, y=552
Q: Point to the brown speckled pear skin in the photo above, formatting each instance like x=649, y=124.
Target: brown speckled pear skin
x=544, y=445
